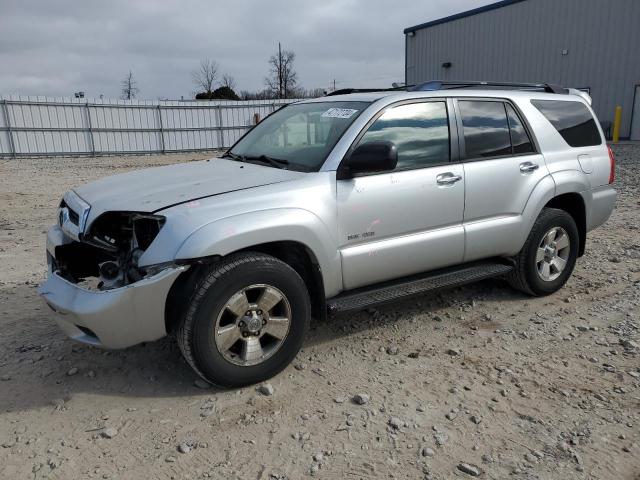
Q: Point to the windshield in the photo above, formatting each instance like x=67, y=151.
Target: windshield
x=299, y=136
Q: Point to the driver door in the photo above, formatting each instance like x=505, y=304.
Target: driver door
x=409, y=220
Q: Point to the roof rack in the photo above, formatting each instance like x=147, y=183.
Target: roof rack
x=434, y=85
x=345, y=91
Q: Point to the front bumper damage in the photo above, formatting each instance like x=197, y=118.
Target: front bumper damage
x=115, y=318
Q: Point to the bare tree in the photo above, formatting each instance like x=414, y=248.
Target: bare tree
x=129, y=87
x=283, y=78
x=205, y=77
x=228, y=81
x=315, y=93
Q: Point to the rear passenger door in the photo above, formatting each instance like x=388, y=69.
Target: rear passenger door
x=502, y=167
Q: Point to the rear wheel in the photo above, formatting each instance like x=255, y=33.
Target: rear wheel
x=246, y=320
x=548, y=257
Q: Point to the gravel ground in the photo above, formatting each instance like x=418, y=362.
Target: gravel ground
x=475, y=381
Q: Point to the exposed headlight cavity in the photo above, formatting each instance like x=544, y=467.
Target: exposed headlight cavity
x=110, y=249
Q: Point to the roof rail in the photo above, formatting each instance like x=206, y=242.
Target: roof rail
x=434, y=85
x=345, y=91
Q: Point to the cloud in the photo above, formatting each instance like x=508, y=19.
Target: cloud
x=60, y=47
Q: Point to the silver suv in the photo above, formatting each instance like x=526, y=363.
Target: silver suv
x=331, y=205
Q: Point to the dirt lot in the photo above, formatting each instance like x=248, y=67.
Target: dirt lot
x=513, y=386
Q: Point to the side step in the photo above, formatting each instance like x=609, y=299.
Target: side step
x=408, y=286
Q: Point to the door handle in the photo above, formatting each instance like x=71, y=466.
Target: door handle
x=448, y=178
x=528, y=167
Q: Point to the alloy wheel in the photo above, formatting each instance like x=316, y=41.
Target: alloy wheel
x=253, y=325
x=552, y=254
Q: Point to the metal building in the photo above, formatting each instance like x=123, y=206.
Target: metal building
x=588, y=44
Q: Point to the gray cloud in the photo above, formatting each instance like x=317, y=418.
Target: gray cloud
x=62, y=46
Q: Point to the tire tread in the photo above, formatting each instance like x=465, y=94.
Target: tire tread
x=184, y=333
x=517, y=278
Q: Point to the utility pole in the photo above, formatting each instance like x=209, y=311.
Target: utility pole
x=280, y=72
x=334, y=84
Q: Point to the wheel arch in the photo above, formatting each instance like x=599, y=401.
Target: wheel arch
x=302, y=259
x=573, y=204
x=295, y=254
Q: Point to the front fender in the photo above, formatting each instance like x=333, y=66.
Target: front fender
x=238, y=232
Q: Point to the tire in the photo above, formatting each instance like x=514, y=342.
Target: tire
x=529, y=274
x=212, y=320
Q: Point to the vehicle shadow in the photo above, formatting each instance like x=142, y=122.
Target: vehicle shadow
x=444, y=306
x=40, y=365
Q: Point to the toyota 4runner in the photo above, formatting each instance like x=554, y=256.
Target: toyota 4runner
x=330, y=205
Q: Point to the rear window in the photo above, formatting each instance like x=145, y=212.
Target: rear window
x=572, y=120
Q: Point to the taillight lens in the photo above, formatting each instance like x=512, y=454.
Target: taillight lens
x=612, y=161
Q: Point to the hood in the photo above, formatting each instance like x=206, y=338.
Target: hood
x=154, y=189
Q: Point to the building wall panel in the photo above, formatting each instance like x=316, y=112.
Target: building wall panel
x=523, y=42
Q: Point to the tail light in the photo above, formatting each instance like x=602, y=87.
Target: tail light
x=612, y=162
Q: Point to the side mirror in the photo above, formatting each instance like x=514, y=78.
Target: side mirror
x=370, y=157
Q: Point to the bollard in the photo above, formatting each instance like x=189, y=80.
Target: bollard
x=616, y=124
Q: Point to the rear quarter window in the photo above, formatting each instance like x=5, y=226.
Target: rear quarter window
x=572, y=120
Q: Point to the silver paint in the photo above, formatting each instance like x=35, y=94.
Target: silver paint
x=359, y=231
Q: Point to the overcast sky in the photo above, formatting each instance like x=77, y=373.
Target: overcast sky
x=58, y=47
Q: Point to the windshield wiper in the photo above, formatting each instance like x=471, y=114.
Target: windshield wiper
x=274, y=162
x=233, y=156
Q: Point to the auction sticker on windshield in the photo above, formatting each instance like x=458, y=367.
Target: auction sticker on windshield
x=339, y=113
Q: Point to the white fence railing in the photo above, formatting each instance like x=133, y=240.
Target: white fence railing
x=43, y=126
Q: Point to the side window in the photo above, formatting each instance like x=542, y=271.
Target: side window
x=572, y=120
x=420, y=131
x=519, y=138
x=486, y=129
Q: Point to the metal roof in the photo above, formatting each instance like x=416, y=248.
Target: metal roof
x=457, y=16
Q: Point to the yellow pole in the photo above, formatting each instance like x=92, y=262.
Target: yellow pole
x=616, y=124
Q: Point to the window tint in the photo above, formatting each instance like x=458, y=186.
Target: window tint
x=572, y=120
x=519, y=138
x=486, y=130
x=420, y=131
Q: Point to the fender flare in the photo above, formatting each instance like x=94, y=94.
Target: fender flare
x=550, y=187
x=544, y=191
x=238, y=232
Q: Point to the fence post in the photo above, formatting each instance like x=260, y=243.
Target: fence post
x=220, y=132
x=5, y=112
x=89, y=124
x=161, y=129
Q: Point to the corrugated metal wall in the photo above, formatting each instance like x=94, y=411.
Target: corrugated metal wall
x=524, y=42
x=31, y=126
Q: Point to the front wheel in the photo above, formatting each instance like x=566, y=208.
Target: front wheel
x=549, y=255
x=246, y=320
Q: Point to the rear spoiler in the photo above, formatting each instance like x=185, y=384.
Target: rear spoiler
x=584, y=95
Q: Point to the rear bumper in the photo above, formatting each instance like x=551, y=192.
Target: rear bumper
x=600, y=202
x=115, y=318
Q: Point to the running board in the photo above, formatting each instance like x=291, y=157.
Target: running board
x=409, y=286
